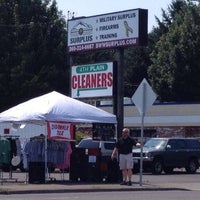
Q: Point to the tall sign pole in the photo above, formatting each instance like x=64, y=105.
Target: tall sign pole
x=120, y=92
x=142, y=129
x=143, y=98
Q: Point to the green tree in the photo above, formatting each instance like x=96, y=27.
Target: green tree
x=33, y=57
x=175, y=69
x=136, y=64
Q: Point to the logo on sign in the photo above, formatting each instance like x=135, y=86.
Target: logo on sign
x=81, y=32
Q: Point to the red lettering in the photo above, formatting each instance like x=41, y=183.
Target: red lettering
x=93, y=81
x=103, y=80
x=110, y=79
x=87, y=85
x=82, y=82
x=60, y=133
x=74, y=82
x=78, y=82
x=98, y=80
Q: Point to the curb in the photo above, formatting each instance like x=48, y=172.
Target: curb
x=79, y=190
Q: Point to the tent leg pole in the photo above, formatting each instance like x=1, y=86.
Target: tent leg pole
x=45, y=155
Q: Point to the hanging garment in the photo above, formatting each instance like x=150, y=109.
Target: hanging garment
x=5, y=151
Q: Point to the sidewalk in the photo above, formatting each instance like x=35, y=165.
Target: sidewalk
x=21, y=186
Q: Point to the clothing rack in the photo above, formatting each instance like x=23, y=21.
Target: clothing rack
x=10, y=136
x=9, y=177
x=55, y=146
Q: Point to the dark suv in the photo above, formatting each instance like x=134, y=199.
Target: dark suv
x=165, y=154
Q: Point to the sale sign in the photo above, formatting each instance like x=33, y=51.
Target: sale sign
x=60, y=130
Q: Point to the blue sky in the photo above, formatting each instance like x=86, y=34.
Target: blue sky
x=96, y=7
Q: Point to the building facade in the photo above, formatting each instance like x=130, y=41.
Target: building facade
x=162, y=119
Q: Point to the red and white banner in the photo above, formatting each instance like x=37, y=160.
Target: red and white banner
x=60, y=130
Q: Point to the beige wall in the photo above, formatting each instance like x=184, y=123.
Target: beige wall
x=162, y=115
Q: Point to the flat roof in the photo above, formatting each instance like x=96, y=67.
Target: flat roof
x=161, y=114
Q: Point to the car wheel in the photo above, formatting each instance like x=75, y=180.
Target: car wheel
x=157, y=166
x=192, y=166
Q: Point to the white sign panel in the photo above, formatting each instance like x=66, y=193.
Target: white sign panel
x=92, y=80
x=60, y=130
x=104, y=31
x=144, y=96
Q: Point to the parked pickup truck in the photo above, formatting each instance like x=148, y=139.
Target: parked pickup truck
x=165, y=154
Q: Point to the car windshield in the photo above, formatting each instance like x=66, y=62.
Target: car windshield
x=155, y=143
x=88, y=143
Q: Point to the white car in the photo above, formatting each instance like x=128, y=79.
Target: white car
x=105, y=147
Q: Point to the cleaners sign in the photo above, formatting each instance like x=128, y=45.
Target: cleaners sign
x=60, y=130
x=92, y=80
x=126, y=28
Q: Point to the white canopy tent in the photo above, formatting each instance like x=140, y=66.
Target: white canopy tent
x=55, y=107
